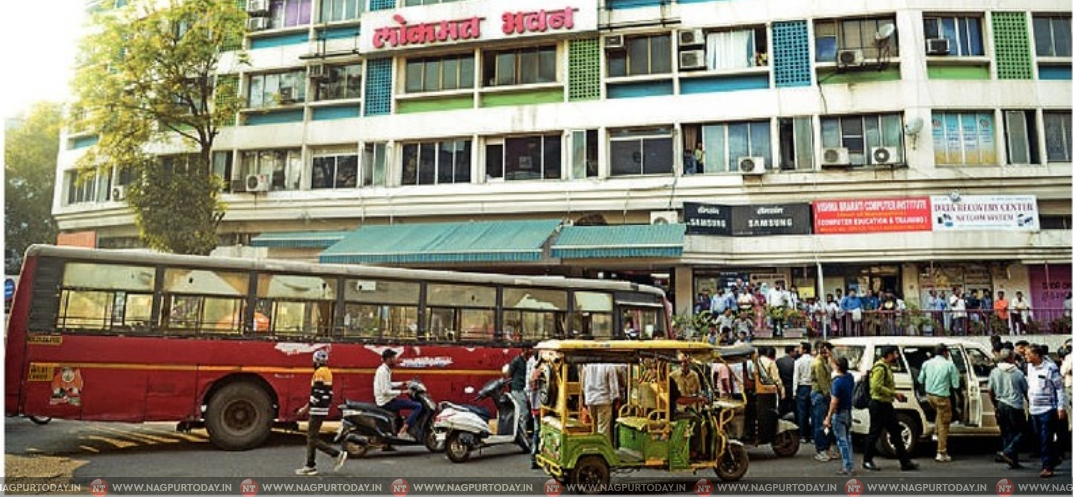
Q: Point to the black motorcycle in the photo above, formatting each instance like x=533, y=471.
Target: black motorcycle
x=366, y=425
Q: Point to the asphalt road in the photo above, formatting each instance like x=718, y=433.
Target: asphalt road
x=80, y=452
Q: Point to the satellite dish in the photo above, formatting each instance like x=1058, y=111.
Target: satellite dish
x=914, y=126
x=884, y=33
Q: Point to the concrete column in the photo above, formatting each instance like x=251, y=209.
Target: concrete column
x=683, y=290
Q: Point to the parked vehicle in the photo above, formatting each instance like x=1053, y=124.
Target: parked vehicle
x=655, y=427
x=461, y=429
x=366, y=425
x=916, y=417
x=760, y=423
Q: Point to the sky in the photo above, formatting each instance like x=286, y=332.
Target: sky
x=39, y=40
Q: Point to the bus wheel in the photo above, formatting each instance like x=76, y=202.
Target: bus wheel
x=239, y=416
x=39, y=420
x=590, y=474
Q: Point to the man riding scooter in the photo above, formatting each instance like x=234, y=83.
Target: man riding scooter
x=387, y=394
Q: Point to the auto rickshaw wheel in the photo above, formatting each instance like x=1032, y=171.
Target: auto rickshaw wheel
x=734, y=463
x=590, y=474
x=786, y=444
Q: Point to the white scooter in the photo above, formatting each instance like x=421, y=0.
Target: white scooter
x=464, y=428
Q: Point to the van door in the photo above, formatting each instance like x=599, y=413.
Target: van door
x=980, y=366
x=970, y=407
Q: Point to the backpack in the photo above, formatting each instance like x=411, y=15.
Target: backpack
x=862, y=392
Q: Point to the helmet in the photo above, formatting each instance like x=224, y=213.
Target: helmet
x=320, y=356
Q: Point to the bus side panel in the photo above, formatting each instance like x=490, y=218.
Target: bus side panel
x=171, y=395
x=15, y=367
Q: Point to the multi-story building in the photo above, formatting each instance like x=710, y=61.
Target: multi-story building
x=884, y=144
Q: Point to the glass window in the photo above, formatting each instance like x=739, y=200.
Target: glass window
x=519, y=66
x=335, y=171
x=1052, y=35
x=374, y=164
x=963, y=138
x=964, y=33
x=342, y=82
x=526, y=158
x=1058, y=129
x=860, y=134
x=221, y=167
x=1021, y=137
x=411, y=3
x=380, y=321
x=642, y=151
x=89, y=187
x=432, y=74
x=295, y=287
x=643, y=55
x=340, y=10
x=274, y=90
x=584, y=146
x=383, y=291
x=532, y=298
x=833, y=35
x=477, y=325
x=440, y=294
x=283, y=167
x=532, y=326
x=286, y=13
x=736, y=49
x=651, y=322
x=436, y=162
x=205, y=282
x=108, y=277
x=725, y=144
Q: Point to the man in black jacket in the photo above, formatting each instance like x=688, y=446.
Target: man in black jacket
x=786, y=374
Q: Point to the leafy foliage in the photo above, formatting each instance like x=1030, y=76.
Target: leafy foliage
x=148, y=76
x=30, y=152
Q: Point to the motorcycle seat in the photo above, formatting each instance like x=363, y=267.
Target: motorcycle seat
x=479, y=411
x=369, y=407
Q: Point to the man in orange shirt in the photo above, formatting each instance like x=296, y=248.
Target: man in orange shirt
x=1002, y=308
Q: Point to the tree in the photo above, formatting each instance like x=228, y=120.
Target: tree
x=150, y=75
x=30, y=151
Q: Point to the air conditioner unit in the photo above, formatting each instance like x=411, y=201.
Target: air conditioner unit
x=885, y=155
x=119, y=193
x=836, y=156
x=850, y=58
x=751, y=165
x=691, y=59
x=663, y=217
x=257, y=24
x=690, y=37
x=614, y=42
x=257, y=7
x=318, y=72
x=286, y=95
x=258, y=183
x=937, y=46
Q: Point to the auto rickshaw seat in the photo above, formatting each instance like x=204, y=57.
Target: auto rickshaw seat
x=636, y=422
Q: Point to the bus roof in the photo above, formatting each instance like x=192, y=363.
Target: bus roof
x=275, y=265
x=627, y=347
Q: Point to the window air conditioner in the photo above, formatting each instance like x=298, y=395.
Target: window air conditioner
x=885, y=156
x=691, y=59
x=119, y=193
x=257, y=24
x=751, y=165
x=690, y=37
x=318, y=72
x=937, y=46
x=257, y=7
x=615, y=42
x=286, y=96
x=258, y=183
x=836, y=156
x=663, y=217
x=850, y=58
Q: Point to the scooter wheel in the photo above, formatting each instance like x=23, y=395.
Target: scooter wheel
x=457, y=451
x=355, y=449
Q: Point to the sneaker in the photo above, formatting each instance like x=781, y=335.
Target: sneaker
x=942, y=458
x=870, y=466
x=406, y=436
x=1046, y=473
x=306, y=471
x=910, y=466
x=822, y=457
x=340, y=460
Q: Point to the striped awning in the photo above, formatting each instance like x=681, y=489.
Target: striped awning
x=600, y=242
x=485, y=241
x=299, y=239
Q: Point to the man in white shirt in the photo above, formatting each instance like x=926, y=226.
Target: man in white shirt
x=1018, y=314
x=601, y=389
x=387, y=393
x=803, y=390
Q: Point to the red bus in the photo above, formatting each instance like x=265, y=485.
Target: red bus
x=227, y=344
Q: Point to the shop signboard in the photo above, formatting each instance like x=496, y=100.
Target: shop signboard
x=881, y=215
x=1048, y=287
x=984, y=212
x=747, y=220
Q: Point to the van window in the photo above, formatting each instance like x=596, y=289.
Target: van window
x=898, y=366
x=852, y=353
x=981, y=362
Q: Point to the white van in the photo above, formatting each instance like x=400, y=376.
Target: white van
x=974, y=413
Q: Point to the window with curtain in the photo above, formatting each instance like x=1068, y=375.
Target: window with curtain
x=284, y=167
x=643, y=55
x=1058, y=130
x=221, y=167
x=340, y=10
x=739, y=49
x=519, y=67
x=642, y=151
x=435, y=163
x=1052, y=34
x=795, y=144
x=833, y=35
x=725, y=143
x=431, y=74
x=965, y=33
x=963, y=138
x=861, y=133
x=287, y=13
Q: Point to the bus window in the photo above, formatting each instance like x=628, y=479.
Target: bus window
x=533, y=314
x=592, y=316
x=203, y=301
x=648, y=321
x=461, y=312
x=105, y=297
x=296, y=305
x=381, y=308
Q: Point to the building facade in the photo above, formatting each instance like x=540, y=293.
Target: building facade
x=687, y=143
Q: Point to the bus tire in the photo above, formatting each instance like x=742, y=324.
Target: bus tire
x=239, y=416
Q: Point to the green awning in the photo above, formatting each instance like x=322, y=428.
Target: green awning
x=599, y=242
x=298, y=239
x=486, y=241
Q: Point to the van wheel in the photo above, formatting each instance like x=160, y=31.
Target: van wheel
x=457, y=450
x=590, y=474
x=909, y=432
x=734, y=463
x=239, y=416
x=786, y=444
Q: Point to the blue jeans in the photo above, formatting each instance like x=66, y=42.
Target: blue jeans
x=1044, y=426
x=1011, y=421
x=820, y=403
x=399, y=404
x=840, y=424
x=804, y=407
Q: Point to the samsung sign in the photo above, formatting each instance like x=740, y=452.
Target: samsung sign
x=747, y=220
